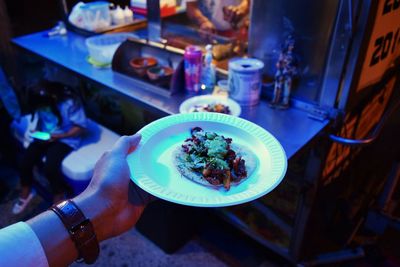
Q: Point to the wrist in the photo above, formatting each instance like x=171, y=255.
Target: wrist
x=202, y=20
x=57, y=136
x=80, y=229
x=97, y=213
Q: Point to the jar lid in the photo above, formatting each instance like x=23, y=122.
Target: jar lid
x=96, y=4
x=193, y=50
x=246, y=65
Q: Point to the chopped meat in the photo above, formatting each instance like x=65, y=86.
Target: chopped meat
x=212, y=156
x=239, y=168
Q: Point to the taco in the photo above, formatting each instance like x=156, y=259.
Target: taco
x=213, y=160
x=215, y=107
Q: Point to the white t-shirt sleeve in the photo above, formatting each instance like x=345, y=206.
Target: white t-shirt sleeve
x=19, y=246
x=75, y=113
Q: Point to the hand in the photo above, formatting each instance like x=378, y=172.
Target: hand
x=112, y=200
x=55, y=137
x=207, y=29
x=233, y=14
x=207, y=26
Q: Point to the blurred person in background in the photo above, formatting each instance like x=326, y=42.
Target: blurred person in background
x=59, y=113
x=218, y=16
x=9, y=110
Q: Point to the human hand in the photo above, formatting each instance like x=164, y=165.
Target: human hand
x=207, y=29
x=54, y=137
x=207, y=26
x=112, y=201
x=233, y=14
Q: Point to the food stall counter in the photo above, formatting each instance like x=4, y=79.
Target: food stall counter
x=292, y=127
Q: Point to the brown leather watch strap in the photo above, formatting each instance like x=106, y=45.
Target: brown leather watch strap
x=80, y=229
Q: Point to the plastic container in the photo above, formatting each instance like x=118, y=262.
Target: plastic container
x=96, y=15
x=102, y=47
x=223, y=85
x=244, y=80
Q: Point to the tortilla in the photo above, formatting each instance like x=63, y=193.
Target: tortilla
x=248, y=156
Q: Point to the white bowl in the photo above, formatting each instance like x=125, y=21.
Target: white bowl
x=102, y=47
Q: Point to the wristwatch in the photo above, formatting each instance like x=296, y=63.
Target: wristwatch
x=80, y=229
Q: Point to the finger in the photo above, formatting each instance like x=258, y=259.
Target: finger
x=232, y=16
x=226, y=12
x=231, y=13
x=238, y=16
x=125, y=144
x=212, y=29
x=134, y=142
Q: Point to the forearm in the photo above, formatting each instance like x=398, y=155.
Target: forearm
x=74, y=131
x=195, y=14
x=57, y=244
x=112, y=202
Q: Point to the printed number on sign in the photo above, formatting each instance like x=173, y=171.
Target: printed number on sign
x=384, y=46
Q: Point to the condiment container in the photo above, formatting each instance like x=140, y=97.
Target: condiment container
x=128, y=15
x=96, y=15
x=244, y=80
x=118, y=16
x=141, y=64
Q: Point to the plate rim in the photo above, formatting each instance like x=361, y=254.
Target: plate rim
x=149, y=130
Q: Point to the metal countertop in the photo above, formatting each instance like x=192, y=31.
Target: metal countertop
x=291, y=127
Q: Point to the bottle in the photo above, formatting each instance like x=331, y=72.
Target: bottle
x=118, y=17
x=208, y=77
x=128, y=14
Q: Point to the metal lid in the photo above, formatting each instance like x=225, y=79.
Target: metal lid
x=246, y=65
x=96, y=4
x=193, y=50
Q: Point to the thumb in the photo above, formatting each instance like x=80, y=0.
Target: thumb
x=126, y=144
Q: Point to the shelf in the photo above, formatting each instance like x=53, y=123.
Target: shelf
x=246, y=223
x=275, y=218
x=137, y=23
